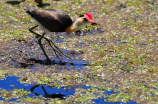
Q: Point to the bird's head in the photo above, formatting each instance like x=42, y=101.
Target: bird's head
x=88, y=18
x=82, y=21
x=85, y=19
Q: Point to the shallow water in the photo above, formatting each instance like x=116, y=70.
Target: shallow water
x=65, y=91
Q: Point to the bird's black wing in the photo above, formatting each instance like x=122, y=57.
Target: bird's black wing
x=53, y=20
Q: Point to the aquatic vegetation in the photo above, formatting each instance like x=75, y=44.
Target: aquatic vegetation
x=123, y=47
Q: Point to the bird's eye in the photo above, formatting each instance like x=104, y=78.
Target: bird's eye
x=81, y=16
x=85, y=19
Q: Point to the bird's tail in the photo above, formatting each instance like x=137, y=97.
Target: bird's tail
x=28, y=9
x=28, y=12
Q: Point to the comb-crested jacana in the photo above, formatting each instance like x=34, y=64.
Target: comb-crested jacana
x=51, y=20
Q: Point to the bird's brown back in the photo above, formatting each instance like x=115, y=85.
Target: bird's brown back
x=53, y=20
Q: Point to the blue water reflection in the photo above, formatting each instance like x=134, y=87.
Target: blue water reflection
x=11, y=82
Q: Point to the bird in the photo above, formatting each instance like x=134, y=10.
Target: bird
x=52, y=20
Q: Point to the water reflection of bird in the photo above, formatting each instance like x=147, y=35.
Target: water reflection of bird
x=51, y=20
x=46, y=94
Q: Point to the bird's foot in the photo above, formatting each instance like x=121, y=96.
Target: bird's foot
x=48, y=62
x=62, y=63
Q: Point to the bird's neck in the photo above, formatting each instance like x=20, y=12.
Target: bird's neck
x=72, y=28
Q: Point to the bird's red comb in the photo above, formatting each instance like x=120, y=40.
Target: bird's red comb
x=89, y=17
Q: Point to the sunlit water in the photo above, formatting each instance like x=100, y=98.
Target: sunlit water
x=66, y=91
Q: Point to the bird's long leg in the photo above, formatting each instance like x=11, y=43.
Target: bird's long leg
x=59, y=51
x=39, y=42
x=54, y=50
x=49, y=40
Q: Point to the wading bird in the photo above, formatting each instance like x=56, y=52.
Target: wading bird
x=51, y=20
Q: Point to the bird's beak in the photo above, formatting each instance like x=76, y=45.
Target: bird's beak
x=89, y=20
x=94, y=23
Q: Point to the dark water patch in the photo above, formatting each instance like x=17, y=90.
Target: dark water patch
x=142, y=44
x=13, y=3
x=109, y=92
x=116, y=86
x=3, y=55
x=120, y=6
x=104, y=43
x=101, y=101
x=79, y=44
x=121, y=41
x=1, y=98
x=67, y=62
x=21, y=58
x=14, y=99
x=43, y=5
x=27, y=55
